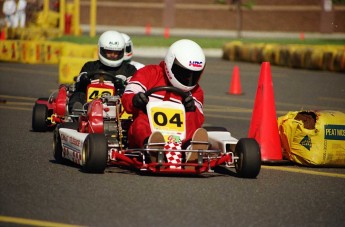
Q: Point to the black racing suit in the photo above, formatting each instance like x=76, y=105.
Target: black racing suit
x=83, y=81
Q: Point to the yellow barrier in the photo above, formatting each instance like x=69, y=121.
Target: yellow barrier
x=31, y=52
x=322, y=57
x=329, y=58
x=231, y=50
x=9, y=50
x=51, y=52
x=76, y=50
x=70, y=67
x=270, y=53
x=339, y=60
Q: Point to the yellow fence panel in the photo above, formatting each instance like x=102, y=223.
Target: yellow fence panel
x=31, y=52
x=70, y=67
x=51, y=52
x=9, y=50
x=81, y=51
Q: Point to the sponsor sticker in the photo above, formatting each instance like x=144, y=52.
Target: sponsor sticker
x=306, y=142
x=335, y=132
x=197, y=64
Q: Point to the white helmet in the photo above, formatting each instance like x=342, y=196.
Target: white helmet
x=184, y=64
x=111, y=48
x=129, y=47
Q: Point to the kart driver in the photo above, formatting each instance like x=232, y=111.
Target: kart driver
x=182, y=68
x=129, y=52
x=111, y=49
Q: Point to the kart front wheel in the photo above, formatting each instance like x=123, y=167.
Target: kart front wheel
x=95, y=153
x=57, y=147
x=39, y=118
x=248, y=164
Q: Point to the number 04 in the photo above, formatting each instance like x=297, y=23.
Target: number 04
x=161, y=119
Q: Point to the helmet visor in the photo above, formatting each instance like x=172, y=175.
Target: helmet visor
x=112, y=55
x=185, y=76
x=129, y=49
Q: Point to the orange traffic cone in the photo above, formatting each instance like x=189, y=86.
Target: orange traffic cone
x=235, y=85
x=301, y=36
x=263, y=125
x=148, y=29
x=166, y=33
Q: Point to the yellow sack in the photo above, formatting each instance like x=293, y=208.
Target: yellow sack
x=313, y=138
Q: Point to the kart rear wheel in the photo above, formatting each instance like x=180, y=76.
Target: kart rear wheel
x=248, y=164
x=39, y=118
x=57, y=147
x=95, y=153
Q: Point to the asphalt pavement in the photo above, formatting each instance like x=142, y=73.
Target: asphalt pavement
x=38, y=191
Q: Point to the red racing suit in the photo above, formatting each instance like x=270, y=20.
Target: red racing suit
x=143, y=80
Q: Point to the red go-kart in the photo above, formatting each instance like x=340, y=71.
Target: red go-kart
x=48, y=112
x=99, y=140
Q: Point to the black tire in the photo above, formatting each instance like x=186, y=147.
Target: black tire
x=95, y=153
x=248, y=164
x=57, y=147
x=39, y=118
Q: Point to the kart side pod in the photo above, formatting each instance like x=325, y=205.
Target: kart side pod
x=95, y=115
x=222, y=140
x=61, y=101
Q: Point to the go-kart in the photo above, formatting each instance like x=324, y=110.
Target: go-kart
x=99, y=140
x=48, y=112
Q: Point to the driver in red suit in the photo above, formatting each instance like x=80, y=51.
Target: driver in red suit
x=182, y=68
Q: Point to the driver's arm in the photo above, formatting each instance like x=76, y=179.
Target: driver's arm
x=198, y=96
x=82, y=81
x=133, y=87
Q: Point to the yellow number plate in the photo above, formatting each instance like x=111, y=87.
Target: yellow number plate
x=94, y=92
x=167, y=119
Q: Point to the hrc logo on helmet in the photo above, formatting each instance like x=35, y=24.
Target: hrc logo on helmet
x=197, y=64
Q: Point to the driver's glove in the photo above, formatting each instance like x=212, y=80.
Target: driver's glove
x=81, y=82
x=81, y=77
x=121, y=77
x=120, y=84
x=189, y=104
x=140, y=100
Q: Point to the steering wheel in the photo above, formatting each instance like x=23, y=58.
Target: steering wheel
x=107, y=76
x=172, y=89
